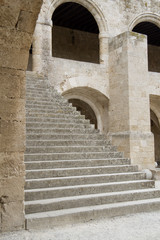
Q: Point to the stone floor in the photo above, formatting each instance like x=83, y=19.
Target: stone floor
x=144, y=226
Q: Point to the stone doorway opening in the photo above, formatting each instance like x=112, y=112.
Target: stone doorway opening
x=153, y=36
x=85, y=110
x=75, y=33
x=155, y=129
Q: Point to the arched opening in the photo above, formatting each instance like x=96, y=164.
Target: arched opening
x=153, y=35
x=29, y=67
x=75, y=33
x=155, y=129
x=85, y=109
x=91, y=99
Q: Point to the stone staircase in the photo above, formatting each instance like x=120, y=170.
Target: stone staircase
x=73, y=173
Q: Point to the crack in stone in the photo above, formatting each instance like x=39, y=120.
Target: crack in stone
x=2, y=202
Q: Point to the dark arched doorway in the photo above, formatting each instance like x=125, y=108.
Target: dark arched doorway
x=85, y=110
x=153, y=35
x=75, y=33
x=155, y=128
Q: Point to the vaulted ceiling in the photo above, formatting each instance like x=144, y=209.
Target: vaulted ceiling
x=74, y=16
x=151, y=30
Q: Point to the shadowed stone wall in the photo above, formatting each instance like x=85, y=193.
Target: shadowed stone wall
x=75, y=45
x=154, y=58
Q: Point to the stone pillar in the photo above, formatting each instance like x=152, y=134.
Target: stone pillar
x=129, y=110
x=17, y=23
x=42, y=47
x=103, y=49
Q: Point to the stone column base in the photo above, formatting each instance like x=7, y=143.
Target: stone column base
x=137, y=146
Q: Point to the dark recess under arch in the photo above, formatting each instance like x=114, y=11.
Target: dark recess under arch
x=153, y=37
x=75, y=33
x=74, y=16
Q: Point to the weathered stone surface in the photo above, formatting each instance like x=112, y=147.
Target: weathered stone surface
x=26, y=21
x=121, y=78
x=11, y=165
x=13, y=58
x=12, y=216
x=17, y=21
x=8, y=15
x=15, y=39
x=12, y=183
x=12, y=83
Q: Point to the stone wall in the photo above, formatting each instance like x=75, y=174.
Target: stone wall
x=76, y=74
x=17, y=23
x=121, y=76
x=75, y=45
x=129, y=110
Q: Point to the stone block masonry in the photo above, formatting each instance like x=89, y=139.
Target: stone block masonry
x=17, y=22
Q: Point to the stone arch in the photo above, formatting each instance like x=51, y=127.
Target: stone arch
x=145, y=17
x=96, y=100
x=43, y=42
x=75, y=34
x=156, y=112
x=91, y=6
x=149, y=24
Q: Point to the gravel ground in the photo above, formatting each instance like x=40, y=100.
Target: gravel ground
x=143, y=226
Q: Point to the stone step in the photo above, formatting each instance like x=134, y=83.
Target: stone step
x=34, y=88
x=37, y=84
x=58, y=192
x=65, y=143
x=42, y=88
x=39, y=98
x=39, y=95
x=47, y=125
x=69, y=149
x=56, y=120
x=48, y=107
x=72, y=171
x=61, y=130
x=74, y=115
x=78, y=171
x=83, y=180
x=38, y=90
x=31, y=165
x=69, y=136
x=52, y=94
x=53, y=111
x=84, y=214
x=50, y=102
x=71, y=156
x=45, y=205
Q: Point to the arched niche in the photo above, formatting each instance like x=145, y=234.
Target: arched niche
x=96, y=100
